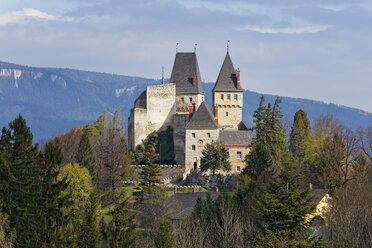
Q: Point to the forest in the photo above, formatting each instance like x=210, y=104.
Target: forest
x=70, y=190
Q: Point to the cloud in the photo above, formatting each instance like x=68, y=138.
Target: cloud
x=287, y=30
x=21, y=17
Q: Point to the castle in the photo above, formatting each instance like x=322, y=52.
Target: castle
x=181, y=105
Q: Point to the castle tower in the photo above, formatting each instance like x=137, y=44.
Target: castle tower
x=228, y=97
x=189, y=92
x=186, y=76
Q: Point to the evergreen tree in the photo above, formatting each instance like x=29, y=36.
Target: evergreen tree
x=300, y=133
x=283, y=207
x=24, y=173
x=269, y=145
x=151, y=172
x=53, y=203
x=89, y=231
x=123, y=225
x=164, y=235
x=215, y=156
x=84, y=156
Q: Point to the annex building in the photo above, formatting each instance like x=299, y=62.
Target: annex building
x=181, y=105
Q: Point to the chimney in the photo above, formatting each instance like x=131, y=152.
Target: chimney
x=192, y=109
x=238, y=79
x=216, y=114
x=193, y=79
x=216, y=189
x=310, y=186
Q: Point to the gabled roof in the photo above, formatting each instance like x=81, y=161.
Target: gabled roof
x=186, y=67
x=317, y=195
x=202, y=118
x=235, y=137
x=227, y=80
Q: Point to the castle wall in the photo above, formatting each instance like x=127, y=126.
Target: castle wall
x=198, y=138
x=158, y=114
x=180, y=121
x=184, y=101
x=160, y=106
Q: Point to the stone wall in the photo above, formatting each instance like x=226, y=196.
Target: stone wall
x=158, y=114
x=237, y=163
x=197, y=139
x=229, y=110
x=170, y=173
x=184, y=101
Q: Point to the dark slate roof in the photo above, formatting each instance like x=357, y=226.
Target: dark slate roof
x=185, y=202
x=141, y=101
x=202, y=118
x=317, y=195
x=227, y=80
x=184, y=68
x=235, y=137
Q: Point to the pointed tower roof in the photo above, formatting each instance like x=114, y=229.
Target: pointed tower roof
x=202, y=118
x=186, y=74
x=227, y=79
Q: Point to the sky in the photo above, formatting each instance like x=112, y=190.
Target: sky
x=315, y=49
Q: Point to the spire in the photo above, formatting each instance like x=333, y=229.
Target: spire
x=227, y=79
x=162, y=74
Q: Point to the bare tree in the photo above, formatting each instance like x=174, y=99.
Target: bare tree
x=350, y=218
x=111, y=159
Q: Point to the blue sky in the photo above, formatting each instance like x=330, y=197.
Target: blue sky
x=316, y=49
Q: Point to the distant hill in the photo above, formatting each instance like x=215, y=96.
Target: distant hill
x=54, y=100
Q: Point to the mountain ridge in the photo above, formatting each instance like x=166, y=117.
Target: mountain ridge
x=53, y=100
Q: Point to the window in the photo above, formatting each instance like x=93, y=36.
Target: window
x=237, y=168
x=190, y=99
x=221, y=96
x=238, y=154
x=208, y=135
x=193, y=147
x=235, y=97
x=202, y=98
x=228, y=97
x=200, y=143
x=227, y=113
x=182, y=99
x=193, y=135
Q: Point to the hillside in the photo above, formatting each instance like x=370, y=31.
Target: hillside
x=54, y=100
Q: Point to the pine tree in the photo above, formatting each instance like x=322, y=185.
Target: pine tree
x=53, y=204
x=89, y=231
x=84, y=156
x=300, y=134
x=151, y=172
x=164, y=235
x=123, y=226
x=215, y=156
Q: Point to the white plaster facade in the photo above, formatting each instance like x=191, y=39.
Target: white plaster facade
x=228, y=106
